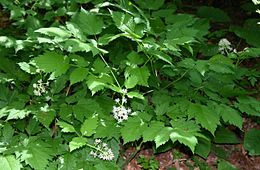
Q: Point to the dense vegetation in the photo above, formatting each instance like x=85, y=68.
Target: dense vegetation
x=83, y=80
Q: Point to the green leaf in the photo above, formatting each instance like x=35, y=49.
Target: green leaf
x=224, y=165
x=45, y=118
x=214, y=14
x=36, y=153
x=107, y=130
x=248, y=105
x=204, y=116
x=77, y=142
x=89, y=126
x=134, y=58
x=75, y=45
x=136, y=76
x=251, y=141
x=75, y=31
x=86, y=108
x=150, y=4
x=100, y=67
x=163, y=136
x=66, y=128
x=135, y=94
x=225, y=136
x=97, y=83
x=78, y=75
x=229, y=115
x=152, y=130
x=127, y=23
x=52, y=62
x=88, y=22
x=185, y=132
x=13, y=113
x=54, y=31
x=203, y=147
x=9, y=162
x=7, y=133
x=132, y=128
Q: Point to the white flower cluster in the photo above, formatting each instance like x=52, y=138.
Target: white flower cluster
x=40, y=88
x=102, y=151
x=120, y=112
x=224, y=46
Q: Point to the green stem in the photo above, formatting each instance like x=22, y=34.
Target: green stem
x=110, y=70
x=176, y=80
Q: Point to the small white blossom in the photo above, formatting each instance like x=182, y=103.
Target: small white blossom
x=40, y=87
x=124, y=100
x=124, y=91
x=224, y=45
x=102, y=151
x=117, y=100
x=97, y=141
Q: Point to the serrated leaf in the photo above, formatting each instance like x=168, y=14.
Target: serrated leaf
x=135, y=94
x=203, y=147
x=86, y=108
x=163, y=136
x=75, y=31
x=89, y=126
x=248, y=105
x=52, y=62
x=224, y=165
x=77, y=142
x=100, y=67
x=132, y=128
x=127, y=23
x=251, y=141
x=185, y=132
x=75, y=45
x=45, y=117
x=136, y=76
x=150, y=4
x=204, y=116
x=9, y=162
x=214, y=14
x=78, y=75
x=66, y=128
x=36, y=153
x=152, y=130
x=134, y=58
x=96, y=83
x=229, y=115
x=88, y=22
x=13, y=113
x=54, y=31
x=109, y=131
x=225, y=136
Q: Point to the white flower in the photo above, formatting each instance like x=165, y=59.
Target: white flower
x=102, y=151
x=124, y=91
x=97, y=141
x=224, y=45
x=107, y=155
x=124, y=100
x=40, y=88
x=117, y=100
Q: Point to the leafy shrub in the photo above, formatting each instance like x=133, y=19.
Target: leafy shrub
x=80, y=78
